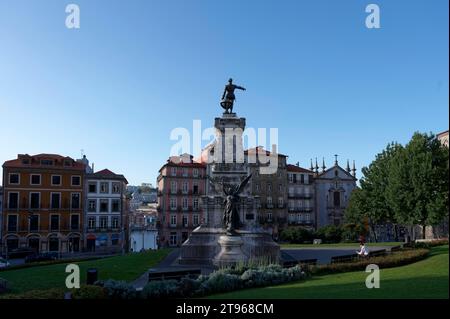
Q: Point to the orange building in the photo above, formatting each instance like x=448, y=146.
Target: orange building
x=43, y=203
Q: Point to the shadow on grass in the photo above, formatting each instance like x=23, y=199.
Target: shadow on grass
x=413, y=288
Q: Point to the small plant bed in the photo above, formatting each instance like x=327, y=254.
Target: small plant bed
x=395, y=259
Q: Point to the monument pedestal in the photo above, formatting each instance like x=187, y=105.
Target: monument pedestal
x=231, y=252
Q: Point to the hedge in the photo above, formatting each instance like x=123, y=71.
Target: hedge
x=395, y=259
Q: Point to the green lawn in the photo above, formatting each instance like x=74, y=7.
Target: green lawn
x=424, y=279
x=387, y=244
x=128, y=267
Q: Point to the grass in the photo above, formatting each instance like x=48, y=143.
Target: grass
x=424, y=279
x=128, y=268
x=339, y=245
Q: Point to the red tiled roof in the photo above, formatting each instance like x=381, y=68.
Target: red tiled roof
x=106, y=173
x=35, y=161
x=298, y=169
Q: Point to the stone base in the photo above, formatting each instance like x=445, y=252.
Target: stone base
x=231, y=252
x=204, y=245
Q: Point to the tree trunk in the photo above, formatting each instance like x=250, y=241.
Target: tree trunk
x=395, y=232
x=424, y=231
x=373, y=232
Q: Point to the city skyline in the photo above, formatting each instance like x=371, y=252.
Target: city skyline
x=312, y=70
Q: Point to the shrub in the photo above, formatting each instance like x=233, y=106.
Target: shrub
x=161, y=289
x=220, y=282
x=296, y=235
x=54, y=293
x=396, y=259
x=90, y=292
x=429, y=244
x=330, y=234
x=118, y=289
x=4, y=286
x=272, y=275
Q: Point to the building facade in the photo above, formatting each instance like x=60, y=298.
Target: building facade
x=301, y=195
x=106, y=212
x=270, y=190
x=43, y=206
x=333, y=187
x=443, y=138
x=181, y=183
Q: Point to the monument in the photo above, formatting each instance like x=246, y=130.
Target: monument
x=230, y=232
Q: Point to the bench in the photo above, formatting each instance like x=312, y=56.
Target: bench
x=173, y=274
x=396, y=248
x=343, y=258
x=303, y=262
x=377, y=253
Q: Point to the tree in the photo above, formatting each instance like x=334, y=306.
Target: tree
x=369, y=202
x=417, y=188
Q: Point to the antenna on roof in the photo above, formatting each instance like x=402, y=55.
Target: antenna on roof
x=82, y=152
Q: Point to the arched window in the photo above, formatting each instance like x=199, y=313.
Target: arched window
x=337, y=199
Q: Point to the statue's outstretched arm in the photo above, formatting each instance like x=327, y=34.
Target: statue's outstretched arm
x=243, y=183
x=240, y=87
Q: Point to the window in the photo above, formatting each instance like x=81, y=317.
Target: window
x=269, y=187
x=115, y=222
x=46, y=162
x=195, y=188
x=13, y=200
x=195, y=172
x=185, y=221
x=269, y=217
x=56, y=180
x=35, y=200
x=174, y=171
x=14, y=178
x=185, y=172
x=54, y=222
x=173, y=239
x=104, y=189
x=103, y=222
x=92, y=205
x=280, y=202
x=55, y=201
x=291, y=178
x=75, y=201
x=195, y=220
x=76, y=180
x=67, y=163
x=173, y=203
x=91, y=222
x=12, y=223
x=116, y=188
x=337, y=199
x=115, y=205
x=195, y=203
x=302, y=178
x=269, y=201
x=173, y=187
x=103, y=205
x=35, y=179
x=280, y=188
x=74, y=222
x=257, y=187
x=92, y=188
x=307, y=217
x=294, y=178
x=26, y=161
x=185, y=203
x=185, y=187
x=173, y=220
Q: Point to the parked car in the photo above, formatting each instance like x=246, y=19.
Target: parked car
x=20, y=253
x=41, y=257
x=3, y=263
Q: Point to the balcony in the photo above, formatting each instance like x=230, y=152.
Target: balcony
x=103, y=230
x=299, y=196
x=301, y=222
x=300, y=209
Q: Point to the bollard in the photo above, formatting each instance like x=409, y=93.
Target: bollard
x=92, y=275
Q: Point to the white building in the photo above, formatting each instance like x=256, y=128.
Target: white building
x=143, y=238
x=333, y=188
x=106, y=212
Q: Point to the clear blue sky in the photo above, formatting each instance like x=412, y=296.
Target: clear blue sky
x=137, y=69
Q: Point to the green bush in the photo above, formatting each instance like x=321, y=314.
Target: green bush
x=330, y=234
x=429, y=244
x=117, y=289
x=296, y=235
x=220, y=282
x=5, y=286
x=89, y=292
x=396, y=259
x=161, y=289
x=54, y=293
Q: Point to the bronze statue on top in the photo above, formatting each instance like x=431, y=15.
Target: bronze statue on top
x=228, y=96
x=231, y=219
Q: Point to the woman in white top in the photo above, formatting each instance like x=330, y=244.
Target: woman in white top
x=363, y=251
